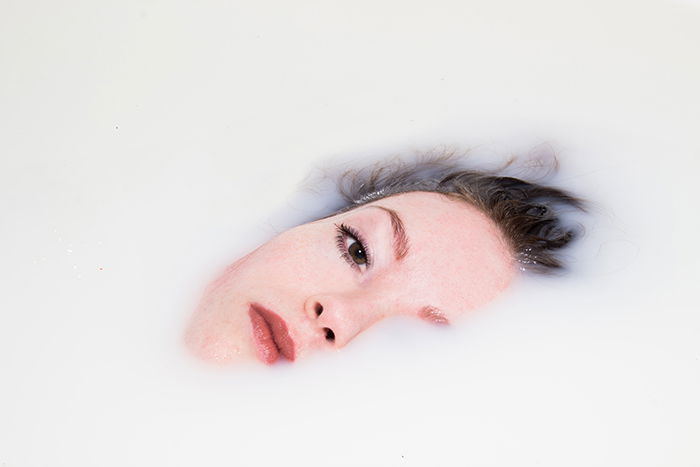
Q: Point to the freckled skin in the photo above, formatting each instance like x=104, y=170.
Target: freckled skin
x=457, y=261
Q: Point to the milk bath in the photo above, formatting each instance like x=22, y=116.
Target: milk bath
x=146, y=146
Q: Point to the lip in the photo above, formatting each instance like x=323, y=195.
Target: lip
x=270, y=335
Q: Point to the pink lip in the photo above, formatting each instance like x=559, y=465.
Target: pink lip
x=270, y=335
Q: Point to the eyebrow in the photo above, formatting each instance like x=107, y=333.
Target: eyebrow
x=400, y=237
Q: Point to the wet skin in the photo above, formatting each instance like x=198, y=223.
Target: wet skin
x=418, y=254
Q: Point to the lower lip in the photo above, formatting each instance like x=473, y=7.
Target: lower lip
x=270, y=335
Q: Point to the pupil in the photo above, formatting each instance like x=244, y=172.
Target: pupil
x=358, y=253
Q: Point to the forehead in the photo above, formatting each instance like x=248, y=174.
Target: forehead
x=458, y=258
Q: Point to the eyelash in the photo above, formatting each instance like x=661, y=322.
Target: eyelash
x=345, y=231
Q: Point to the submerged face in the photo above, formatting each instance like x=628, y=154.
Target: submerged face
x=317, y=286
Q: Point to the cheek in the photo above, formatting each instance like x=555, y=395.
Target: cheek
x=299, y=260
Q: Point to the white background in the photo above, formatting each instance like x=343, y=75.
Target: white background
x=146, y=144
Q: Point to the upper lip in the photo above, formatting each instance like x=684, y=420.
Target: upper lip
x=278, y=331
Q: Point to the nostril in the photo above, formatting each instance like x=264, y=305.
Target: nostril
x=319, y=309
x=330, y=335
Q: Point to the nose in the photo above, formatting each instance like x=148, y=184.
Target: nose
x=341, y=318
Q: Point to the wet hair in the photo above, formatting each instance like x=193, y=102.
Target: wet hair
x=528, y=214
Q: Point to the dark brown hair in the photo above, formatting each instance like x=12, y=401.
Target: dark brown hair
x=529, y=214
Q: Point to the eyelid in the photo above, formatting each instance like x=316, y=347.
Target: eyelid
x=345, y=231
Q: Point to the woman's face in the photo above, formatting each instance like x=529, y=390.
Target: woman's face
x=317, y=286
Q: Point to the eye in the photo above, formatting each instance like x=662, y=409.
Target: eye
x=352, y=247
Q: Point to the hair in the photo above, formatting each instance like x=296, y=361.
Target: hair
x=528, y=214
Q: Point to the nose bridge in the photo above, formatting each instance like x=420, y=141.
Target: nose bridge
x=345, y=314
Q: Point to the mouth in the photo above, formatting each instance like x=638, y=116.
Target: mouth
x=270, y=335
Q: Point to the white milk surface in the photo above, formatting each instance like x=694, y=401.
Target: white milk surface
x=144, y=145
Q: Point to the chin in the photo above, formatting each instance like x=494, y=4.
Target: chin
x=213, y=343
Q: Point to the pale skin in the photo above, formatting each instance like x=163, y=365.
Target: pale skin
x=416, y=254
